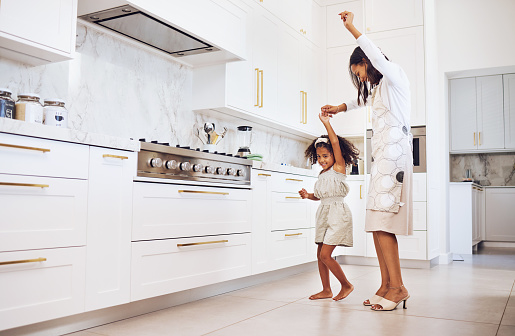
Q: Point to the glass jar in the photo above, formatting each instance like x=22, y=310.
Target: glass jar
x=7, y=105
x=29, y=108
x=55, y=114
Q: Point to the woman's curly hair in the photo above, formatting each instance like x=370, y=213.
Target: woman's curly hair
x=349, y=152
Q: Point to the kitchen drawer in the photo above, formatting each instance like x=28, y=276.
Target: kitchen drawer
x=41, y=290
x=164, y=266
x=42, y=212
x=40, y=157
x=290, y=248
x=290, y=211
x=163, y=210
x=282, y=182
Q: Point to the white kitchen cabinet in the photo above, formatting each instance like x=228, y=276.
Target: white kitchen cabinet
x=393, y=14
x=109, y=227
x=509, y=111
x=40, y=285
x=38, y=32
x=42, y=212
x=412, y=247
x=166, y=266
x=340, y=89
x=500, y=212
x=337, y=34
x=477, y=117
x=405, y=47
x=23, y=155
x=289, y=248
x=162, y=210
x=466, y=217
x=356, y=202
x=419, y=187
x=289, y=211
x=419, y=216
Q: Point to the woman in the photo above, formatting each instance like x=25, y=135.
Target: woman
x=389, y=201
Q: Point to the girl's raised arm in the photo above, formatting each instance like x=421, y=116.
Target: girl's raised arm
x=339, y=164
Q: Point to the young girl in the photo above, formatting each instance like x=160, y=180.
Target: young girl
x=333, y=218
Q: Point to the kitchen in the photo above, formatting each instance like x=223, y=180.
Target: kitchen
x=116, y=90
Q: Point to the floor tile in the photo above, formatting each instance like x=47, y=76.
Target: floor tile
x=509, y=316
x=299, y=319
x=506, y=331
x=195, y=318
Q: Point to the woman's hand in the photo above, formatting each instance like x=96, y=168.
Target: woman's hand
x=329, y=110
x=324, y=118
x=303, y=193
x=348, y=19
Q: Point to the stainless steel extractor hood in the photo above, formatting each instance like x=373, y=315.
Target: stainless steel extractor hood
x=140, y=26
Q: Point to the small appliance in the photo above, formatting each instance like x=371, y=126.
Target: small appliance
x=244, y=139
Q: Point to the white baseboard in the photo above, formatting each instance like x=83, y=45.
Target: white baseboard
x=498, y=244
x=445, y=258
x=367, y=261
x=99, y=317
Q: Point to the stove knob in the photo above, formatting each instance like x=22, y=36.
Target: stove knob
x=231, y=171
x=156, y=163
x=186, y=166
x=197, y=167
x=209, y=170
x=240, y=172
x=171, y=164
x=219, y=171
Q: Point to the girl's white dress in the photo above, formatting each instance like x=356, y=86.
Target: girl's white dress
x=333, y=218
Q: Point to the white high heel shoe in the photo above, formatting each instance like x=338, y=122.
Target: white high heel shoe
x=388, y=305
x=373, y=300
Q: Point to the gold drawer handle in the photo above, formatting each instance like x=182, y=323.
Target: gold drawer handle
x=291, y=197
x=203, y=243
x=290, y=179
x=268, y=175
x=360, y=191
x=203, y=192
x=24, y=185
x=25, y=147
x=293, y=234
x=115, y=156
x=21, y=261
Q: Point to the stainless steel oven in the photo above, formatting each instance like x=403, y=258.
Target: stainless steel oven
x=419, y=149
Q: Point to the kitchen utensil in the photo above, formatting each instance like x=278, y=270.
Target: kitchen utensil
x=209, y=128
x=198, y=136
x=214, y=137
x=221, y=136
x=244, y=139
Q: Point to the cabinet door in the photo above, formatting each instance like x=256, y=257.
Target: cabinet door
x=509, y=111
x=405, y=47
x=337, y=34
x=356, y=201
x=49, y=24
x=260, y=221
x=499, y=214
x=265, y=56
x=463, y=114
x=109, y=227
x=48, y=287
x=393, y=14
x=340, y=89
x=290, y=248
x=490, y=119
x=289, y=211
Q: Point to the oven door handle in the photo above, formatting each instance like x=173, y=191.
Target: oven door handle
x=203, y=192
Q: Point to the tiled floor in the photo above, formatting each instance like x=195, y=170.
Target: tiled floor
x=471, y=297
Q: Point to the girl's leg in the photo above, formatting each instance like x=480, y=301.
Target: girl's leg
x=390, y=249
x=336, y=269
x=385, y=277
x=324, y=276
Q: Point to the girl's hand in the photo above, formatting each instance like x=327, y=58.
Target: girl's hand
x=324, y=118
x=303, y=193
x=329, y=110
x=347, y=18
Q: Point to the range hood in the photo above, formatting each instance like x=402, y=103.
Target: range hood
x=142, y=27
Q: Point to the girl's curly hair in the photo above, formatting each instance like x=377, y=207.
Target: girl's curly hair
x=349, y=152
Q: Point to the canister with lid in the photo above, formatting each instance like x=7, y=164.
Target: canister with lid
x=29, y=108
x=6, y=103
x=55, y=114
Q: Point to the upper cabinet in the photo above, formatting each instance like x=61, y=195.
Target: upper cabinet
x=383, y=15
x=509, y=110
x=337, y=34
x=38, y=32
x=477, y=116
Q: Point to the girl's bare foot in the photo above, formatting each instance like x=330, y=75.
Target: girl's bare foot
x=346, y=290
x=322, y=295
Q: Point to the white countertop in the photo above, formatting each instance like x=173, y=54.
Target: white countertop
x=296, y=170
x=478, y=185
x=65, y=134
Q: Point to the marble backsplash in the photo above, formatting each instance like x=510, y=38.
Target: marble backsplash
x=114, y=88
x=493, y=169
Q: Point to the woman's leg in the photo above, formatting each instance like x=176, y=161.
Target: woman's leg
x=385, y=277
x=335, y=268
x=323, y=270
x=390, y=249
